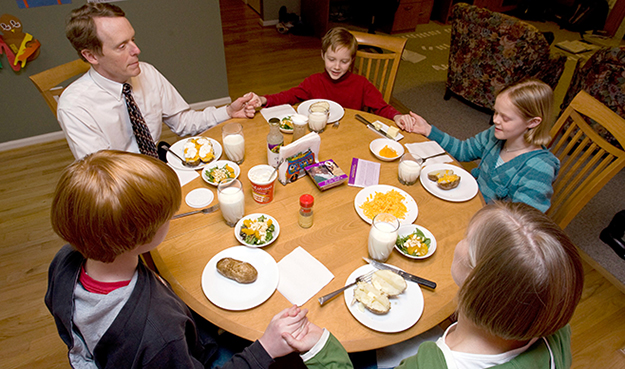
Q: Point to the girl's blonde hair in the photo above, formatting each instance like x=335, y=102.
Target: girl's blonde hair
x=527, y=276
x=533, y=98
x=110, y=202
x=337, y=38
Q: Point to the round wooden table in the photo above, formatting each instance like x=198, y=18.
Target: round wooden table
x=338, y=238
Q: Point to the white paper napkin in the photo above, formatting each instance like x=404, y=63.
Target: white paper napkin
x=438, y=160
x=185, y=176
x=429, y=148
x=301, y=276
x=279, y=111
x=425, y=149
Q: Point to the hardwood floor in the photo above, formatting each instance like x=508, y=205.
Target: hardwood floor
x=260, y=60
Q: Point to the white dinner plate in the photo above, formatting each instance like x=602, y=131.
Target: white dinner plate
x=237, y=229
x=336, y=110
x=406, y=308
x=219, y=164
x=178, y=149
x=466, y=190
x=408, y=229
x=366, y=192
x=231, y=295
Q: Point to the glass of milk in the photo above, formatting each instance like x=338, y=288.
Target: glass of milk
x=234, y=142
x=231, y=200
x=382, y=236
x=317, y=118
x=409, y=169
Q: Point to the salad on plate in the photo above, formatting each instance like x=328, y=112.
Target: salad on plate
x=257, y=231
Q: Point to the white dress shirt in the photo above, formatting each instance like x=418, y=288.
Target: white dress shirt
x=92, y=112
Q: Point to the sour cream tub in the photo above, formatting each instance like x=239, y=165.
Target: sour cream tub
x=262, y=185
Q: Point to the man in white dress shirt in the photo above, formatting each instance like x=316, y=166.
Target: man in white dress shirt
x=92, y=110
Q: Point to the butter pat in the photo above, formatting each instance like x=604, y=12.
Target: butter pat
x=392, y=131
x=377, y=125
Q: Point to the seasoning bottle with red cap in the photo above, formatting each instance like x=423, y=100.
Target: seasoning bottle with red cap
x=305, y=219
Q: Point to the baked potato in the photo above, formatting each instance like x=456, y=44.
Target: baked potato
x=435, y=175
x=372, y=298
x=240, y=271
x=448, y=182
x=389, y=283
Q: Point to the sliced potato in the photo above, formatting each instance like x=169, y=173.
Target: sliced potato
x=389, y=283
x=372, y=298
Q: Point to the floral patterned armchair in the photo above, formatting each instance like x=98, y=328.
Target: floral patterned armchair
x=490, y=51
x=603, y=77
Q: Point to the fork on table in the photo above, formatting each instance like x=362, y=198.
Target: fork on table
x=363, y=278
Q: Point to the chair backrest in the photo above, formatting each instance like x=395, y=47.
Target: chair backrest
x=48, y=82
x=588, y=161
x=379, y=68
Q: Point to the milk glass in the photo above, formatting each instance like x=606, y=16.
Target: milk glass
x=382, y=236
x=409, y=169
x=234, y=142
x=231, y=200
x=317, y=118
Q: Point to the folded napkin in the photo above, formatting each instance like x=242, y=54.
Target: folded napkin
x=301, y=276
x=279, y=111
x=385, y=130
x=185, y=176
x=427, y=149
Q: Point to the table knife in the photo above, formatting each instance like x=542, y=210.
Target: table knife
x=205, y=211
x=370, y=125
x=410, y=277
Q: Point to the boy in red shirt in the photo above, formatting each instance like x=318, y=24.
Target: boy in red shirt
x=338, y=83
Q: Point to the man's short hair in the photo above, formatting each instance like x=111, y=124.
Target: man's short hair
x=337, y=38
x=80, y=28
x=110, y=202
x=526, y=277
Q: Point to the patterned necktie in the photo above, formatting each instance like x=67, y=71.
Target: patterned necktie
x=140, y=129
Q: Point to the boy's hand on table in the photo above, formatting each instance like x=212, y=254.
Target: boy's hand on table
x=291, y=321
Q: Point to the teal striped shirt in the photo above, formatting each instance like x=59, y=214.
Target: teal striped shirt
x=527, y=178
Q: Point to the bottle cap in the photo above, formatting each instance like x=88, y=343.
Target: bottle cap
x=306, y=201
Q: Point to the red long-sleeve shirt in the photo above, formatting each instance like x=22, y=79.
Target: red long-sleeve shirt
x=351, y=91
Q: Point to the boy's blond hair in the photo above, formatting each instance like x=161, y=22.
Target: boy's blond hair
x=533, y=98
x=110, y=202
x=527, y=276
x=339, y=37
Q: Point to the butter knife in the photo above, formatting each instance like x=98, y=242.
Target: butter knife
x=205, y=211
x=370, y=125
x=408, y=276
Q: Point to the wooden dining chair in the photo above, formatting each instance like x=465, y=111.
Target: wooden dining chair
x=588, y=161
x=48, y=82
x=380, y=68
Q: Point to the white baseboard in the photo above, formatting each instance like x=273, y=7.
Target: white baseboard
x=268, y=23
x=35, y=140
x=59, y=135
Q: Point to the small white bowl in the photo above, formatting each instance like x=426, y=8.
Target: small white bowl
x=237, y=229
x=378, y=144
x=408, y=229
x=220, y=164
